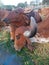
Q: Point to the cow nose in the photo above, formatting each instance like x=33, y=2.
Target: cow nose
x=6, y=20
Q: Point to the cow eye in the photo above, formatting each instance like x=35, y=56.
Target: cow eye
x=17, y=37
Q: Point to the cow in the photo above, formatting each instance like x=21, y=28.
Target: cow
x=16, y=19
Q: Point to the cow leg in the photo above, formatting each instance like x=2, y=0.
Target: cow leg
x=12, y=33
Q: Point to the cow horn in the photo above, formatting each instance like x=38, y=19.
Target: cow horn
x=32, y=29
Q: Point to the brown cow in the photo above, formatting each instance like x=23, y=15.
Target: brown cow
x=14, y=19
x=17, y=19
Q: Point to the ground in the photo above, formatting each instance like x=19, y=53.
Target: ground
x=8, y=55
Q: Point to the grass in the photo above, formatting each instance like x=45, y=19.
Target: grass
x=39, y=56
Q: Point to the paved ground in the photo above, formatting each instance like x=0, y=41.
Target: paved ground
x=6, y=58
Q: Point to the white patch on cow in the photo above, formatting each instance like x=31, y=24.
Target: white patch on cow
x=26, y=33
x=39, y=40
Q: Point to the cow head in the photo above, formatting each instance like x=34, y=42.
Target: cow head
x=18, y=18
x=19, y=42
x=22, y=33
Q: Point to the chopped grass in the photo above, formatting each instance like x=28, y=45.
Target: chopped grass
x=39, y=56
